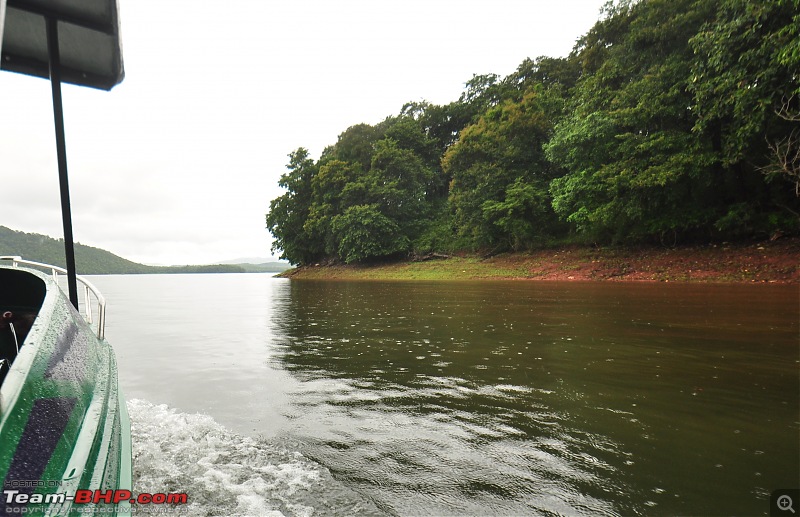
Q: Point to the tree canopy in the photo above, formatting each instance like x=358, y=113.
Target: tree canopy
x=670, y=120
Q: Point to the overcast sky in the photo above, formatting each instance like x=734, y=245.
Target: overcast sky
x=177, y=164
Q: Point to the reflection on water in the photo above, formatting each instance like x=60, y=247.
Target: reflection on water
x=523, y=398
x=506, y=398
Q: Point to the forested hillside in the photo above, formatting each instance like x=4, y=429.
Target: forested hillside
x=41, y=248
x=88, y=260
x=671, y=121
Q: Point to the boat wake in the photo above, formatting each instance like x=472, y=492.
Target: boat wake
x=228, y=474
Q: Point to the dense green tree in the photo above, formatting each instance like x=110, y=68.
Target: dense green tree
x=635, y=168
x=288, y=213
x=443, y=123
x=748, y=60
x=391, y=199
x=363, y=233
x=499, y=191
x=387, y=179
x=560, y=74
x=334, y=188
x=355, y=145
x=409, y=134
x=520, y=218
x=746, y=86
x=670, y=119
x=399, y=180
x=441, y=126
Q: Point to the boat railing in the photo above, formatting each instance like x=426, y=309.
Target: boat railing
x=88, y=289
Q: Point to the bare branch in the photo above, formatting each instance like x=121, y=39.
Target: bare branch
x=786, y=111
x=785, y=159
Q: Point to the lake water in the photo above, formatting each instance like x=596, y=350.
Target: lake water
x=263, y=396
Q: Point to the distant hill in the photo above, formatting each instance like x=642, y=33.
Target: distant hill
x=259, y=264
x=266, y=267
x=94, y=261
x=249, y=260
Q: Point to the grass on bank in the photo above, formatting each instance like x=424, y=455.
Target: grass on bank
x=454, y=268
x=746, y=262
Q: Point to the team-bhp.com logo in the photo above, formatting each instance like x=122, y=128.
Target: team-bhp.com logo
x=18, y=497
x=118, y=496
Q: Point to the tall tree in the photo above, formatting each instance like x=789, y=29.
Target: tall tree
x=500, y=176
x=288, y=213
x=364, y=233
x=355, y=144
x=746, y=86
x=748, y=60
x=384, y=209
x=335, y=188
x=635, y=168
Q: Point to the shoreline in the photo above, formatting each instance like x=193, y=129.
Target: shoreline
x=774, y=262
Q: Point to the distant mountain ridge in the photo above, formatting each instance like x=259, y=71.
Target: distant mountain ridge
x=96, y=261
x=250, y=260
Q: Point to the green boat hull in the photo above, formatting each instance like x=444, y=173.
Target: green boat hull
x=63, y=421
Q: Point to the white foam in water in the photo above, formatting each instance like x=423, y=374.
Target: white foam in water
x=227, y=474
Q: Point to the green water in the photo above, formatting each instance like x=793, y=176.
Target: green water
x=495, y=398
x=569, y=398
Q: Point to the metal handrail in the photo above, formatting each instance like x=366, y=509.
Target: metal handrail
x=87, y=285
